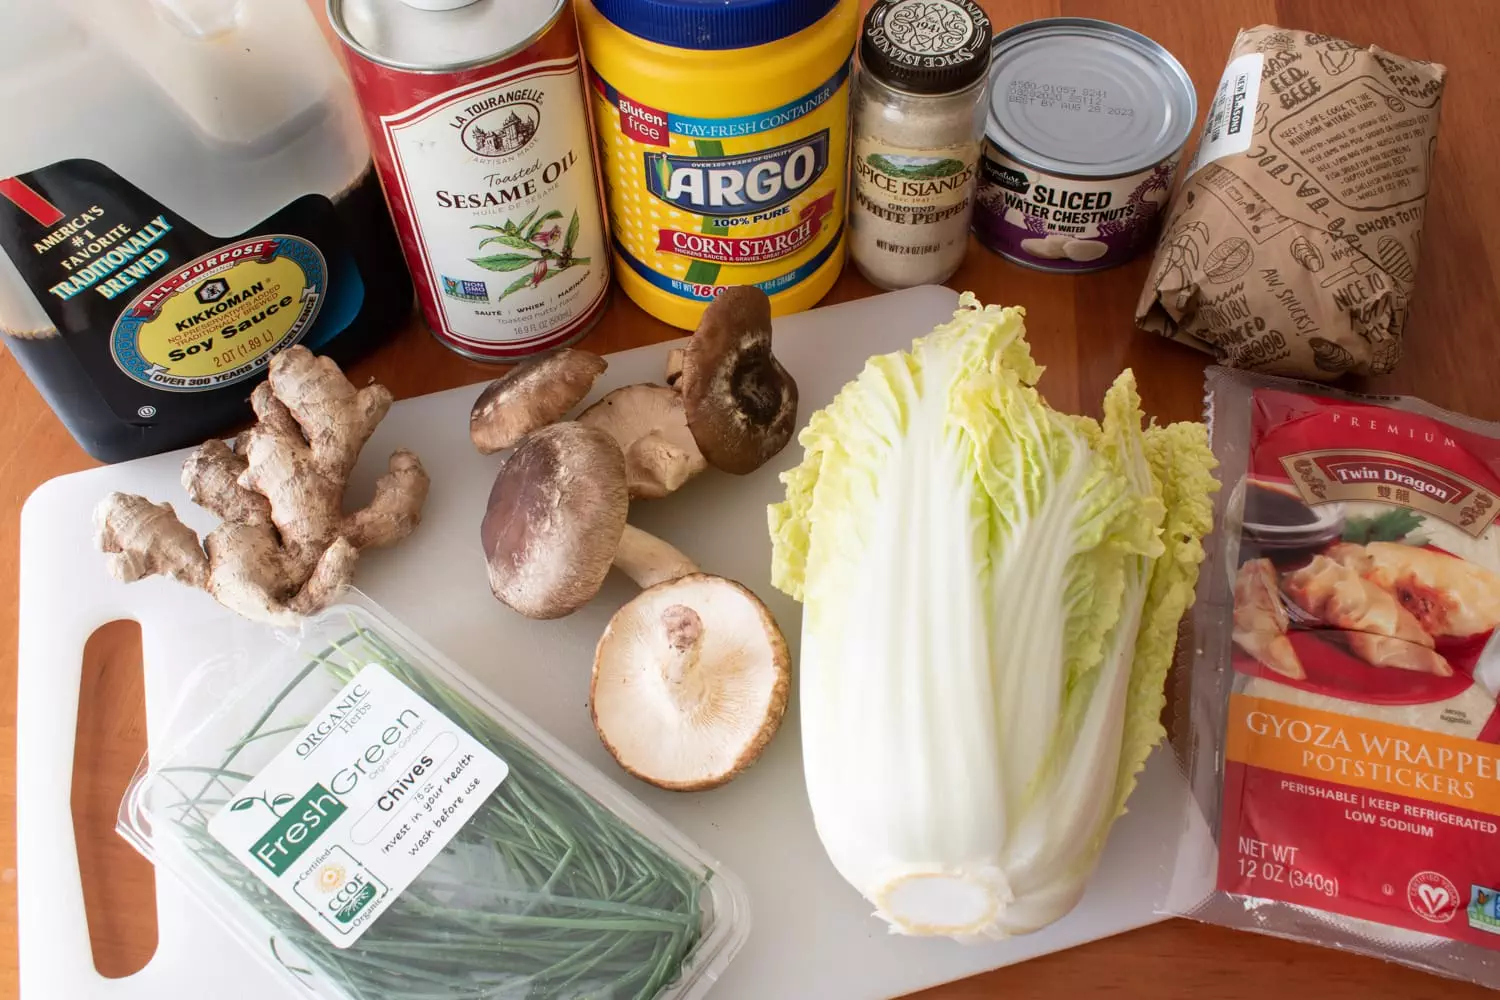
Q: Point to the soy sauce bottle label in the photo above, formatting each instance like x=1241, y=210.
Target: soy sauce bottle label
x=160, y=314
x=218, y=319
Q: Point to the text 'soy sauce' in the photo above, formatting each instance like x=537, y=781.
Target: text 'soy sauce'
x=724, y=134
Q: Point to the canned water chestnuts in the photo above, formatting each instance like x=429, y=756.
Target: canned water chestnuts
x=1086, y=124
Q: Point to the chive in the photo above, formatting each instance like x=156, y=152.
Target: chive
x=568, y=899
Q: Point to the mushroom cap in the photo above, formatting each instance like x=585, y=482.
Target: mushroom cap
x=741, y=403
x=533, y=394
x=690, y=682
x=650, y=425
x=554, y=519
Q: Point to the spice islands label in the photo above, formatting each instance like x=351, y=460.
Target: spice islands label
x=220, y=318
x=896, y=180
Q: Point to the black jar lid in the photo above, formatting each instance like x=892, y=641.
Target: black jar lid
x=926, y=46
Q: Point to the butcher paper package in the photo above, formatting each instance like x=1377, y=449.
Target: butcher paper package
x=1291, y=246
x=1339, y=726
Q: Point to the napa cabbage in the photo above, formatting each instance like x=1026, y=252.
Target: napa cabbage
x=991, y=591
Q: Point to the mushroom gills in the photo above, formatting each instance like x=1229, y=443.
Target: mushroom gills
x=755, y=384
x=741, y=403
x=690, y=682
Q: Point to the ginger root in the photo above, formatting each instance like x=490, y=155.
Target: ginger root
x=285, y=547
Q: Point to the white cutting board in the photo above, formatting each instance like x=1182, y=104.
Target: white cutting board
x=813, y=937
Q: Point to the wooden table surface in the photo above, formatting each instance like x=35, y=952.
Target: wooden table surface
x=1080, y=327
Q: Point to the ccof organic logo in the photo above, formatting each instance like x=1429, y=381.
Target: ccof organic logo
x=504, y=130
x=352, y=898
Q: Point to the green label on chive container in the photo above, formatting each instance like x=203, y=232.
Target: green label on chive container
x=298, y=829
x=348, y=814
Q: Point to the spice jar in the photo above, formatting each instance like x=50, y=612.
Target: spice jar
x=919, y=113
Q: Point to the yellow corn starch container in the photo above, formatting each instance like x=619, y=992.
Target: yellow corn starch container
x=724, y=135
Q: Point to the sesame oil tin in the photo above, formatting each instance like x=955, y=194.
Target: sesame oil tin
x=476, y=116
x=1086, y=125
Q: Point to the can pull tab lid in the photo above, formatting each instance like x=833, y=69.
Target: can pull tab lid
x=437, y=4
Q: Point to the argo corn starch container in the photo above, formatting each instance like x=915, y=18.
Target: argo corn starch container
x=724, y=133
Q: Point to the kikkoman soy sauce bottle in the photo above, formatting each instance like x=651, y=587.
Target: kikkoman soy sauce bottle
x=185, y=190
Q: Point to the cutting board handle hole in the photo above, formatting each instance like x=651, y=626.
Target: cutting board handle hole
x=119, y=886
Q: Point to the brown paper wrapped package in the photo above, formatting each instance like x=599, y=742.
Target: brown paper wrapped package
x=1297, y=255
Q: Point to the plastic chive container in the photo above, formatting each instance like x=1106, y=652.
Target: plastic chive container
x=561, y=886
x=724, y=141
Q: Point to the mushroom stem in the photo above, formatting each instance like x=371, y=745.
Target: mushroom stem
x=679, y=666
x=648, y=560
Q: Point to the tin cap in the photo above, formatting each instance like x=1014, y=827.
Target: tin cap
x=437, y=4
x=713, y=24
x=926, y=46
x=1071, y=95
x=440, y=35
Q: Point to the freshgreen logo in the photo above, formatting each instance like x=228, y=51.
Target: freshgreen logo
x=296, y=829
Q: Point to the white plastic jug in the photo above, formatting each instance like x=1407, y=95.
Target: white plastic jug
x=144, y=137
